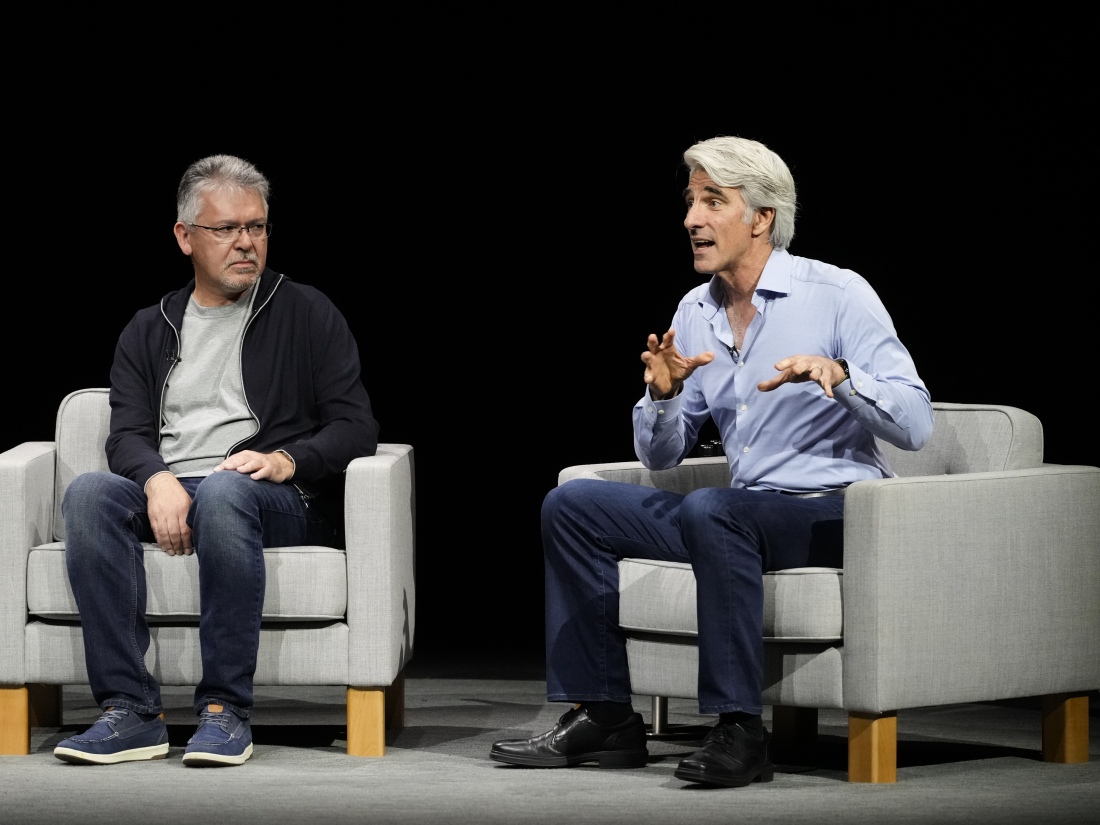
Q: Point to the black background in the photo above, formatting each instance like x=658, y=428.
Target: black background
x=503, y=236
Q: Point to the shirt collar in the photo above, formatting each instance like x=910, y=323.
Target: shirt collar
x=774, y=280
x=776, y=277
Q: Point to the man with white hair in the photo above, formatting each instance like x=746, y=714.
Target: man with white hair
x=799, y=366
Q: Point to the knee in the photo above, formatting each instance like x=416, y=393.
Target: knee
x=226, y=490
x=565, y=499
x=703, y=505
x=710, y=512
x=87, y=497
x=86, y=490
x=225, y=503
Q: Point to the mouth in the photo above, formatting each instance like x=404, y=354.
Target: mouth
x=701, y=243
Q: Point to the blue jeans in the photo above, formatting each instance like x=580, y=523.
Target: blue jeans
x=729, y=536
x=232, y=518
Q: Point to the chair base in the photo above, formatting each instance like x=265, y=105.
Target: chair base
x=659, y=729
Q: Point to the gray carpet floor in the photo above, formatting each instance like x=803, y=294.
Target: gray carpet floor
x=976, y=763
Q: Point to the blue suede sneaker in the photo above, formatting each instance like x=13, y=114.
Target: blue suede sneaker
x=120, y=735
x=222, y=738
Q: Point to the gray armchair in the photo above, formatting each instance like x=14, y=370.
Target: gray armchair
x=331, y=616
x=973, y=576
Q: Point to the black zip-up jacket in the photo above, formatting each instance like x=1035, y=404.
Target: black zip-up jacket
x=301, y=373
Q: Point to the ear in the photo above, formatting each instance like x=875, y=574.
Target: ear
x=183, y=236
x=762, y=221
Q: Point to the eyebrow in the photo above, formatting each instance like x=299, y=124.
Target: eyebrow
x=714, y=190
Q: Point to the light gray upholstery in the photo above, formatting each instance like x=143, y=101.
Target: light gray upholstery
x=331, y=616
x=974, y=575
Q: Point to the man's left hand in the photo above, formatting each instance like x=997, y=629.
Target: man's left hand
x=276, y=467
x=799, y=368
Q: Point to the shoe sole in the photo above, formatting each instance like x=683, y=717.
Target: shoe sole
x=605, y=759
x=215, y=760
x=79, y=757
x=765, y=774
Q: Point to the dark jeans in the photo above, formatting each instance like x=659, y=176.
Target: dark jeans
x=232, y=518
x=729, y=536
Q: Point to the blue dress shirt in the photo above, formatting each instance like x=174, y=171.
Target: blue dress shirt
x=793, y=438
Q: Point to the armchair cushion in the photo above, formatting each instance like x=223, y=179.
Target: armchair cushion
x=800, y=605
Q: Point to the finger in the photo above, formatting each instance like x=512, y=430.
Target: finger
x=238, y=460
x=703, y=358
x=780, y=378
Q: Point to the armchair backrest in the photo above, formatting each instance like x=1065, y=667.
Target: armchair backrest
x=80, y=437
x=973, y=438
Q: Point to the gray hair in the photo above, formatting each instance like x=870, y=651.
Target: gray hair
x=760, y=174
x=214, y=173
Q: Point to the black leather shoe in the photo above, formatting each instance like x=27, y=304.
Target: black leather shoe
x=731, y=757
x=576, y=739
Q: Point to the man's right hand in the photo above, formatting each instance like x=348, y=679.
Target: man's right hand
x=666, y=369
x=168, y=506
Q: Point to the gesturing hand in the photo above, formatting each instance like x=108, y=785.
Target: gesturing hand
x=799, y=368
x=665, y=368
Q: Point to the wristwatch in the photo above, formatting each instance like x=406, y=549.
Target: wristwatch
x=843, y=366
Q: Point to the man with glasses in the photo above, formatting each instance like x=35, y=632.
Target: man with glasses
x=236, y=405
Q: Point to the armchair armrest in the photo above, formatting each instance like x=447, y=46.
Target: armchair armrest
x=971, y=587
x=26, y=513
x=379, y=522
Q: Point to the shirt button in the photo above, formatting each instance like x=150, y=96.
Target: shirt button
x=851, y=392
x=660, y=412
x=744, y=449
x=740, y=363
x=744, y=407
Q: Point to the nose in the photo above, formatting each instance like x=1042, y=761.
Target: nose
x=243, y=240
x=692, y=219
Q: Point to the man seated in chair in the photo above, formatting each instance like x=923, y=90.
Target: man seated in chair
x=236, y=405
x=798, y=364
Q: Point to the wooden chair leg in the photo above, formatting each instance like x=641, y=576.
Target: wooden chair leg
x=873, y=747
x=793, y=726
x=45, y=701
x=15, y=721
x=371, y=712
x=366, y=722
x=1065, y=727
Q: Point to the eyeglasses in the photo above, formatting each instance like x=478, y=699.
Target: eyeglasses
x=229, y=233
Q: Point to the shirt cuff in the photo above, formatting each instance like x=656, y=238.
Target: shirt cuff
x=145, y=489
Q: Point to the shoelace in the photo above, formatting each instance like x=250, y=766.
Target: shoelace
x=222, y=720
x=722, y=734
x=112, y=716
